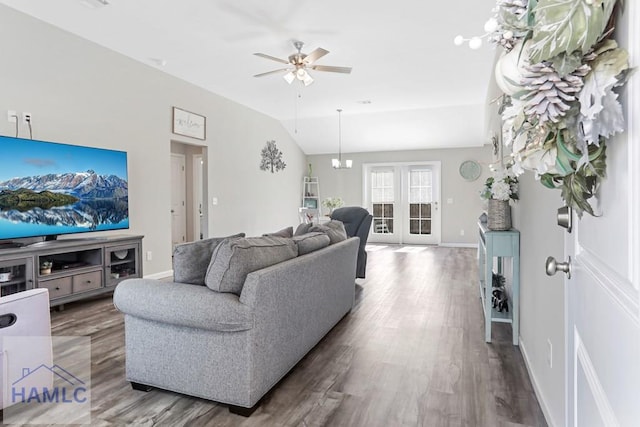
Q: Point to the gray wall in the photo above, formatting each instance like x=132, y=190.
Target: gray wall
x=81, y=93
x=461, y=215
x=541, y=296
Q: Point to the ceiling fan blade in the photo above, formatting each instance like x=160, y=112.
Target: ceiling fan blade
x=273, y=58
x=315, y=55
x=346, y=70
x=272, y=72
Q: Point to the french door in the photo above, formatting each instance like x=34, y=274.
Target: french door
x=404, y=201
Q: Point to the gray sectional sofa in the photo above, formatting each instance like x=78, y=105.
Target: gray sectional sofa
x=233, y=345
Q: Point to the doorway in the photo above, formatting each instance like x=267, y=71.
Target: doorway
x=190, y=186
x=404, y=201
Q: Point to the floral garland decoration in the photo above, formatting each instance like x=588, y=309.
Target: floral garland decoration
x=559, y=71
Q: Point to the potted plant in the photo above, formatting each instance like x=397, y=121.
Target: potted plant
x=45, y=267
x=499, y=189
x=332, y=203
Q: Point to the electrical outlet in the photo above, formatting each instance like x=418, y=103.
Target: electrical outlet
x=149, y=255
x=462, y=231
x=12, y=117
x=214, y=200
x=549, y=354
x=26, y=118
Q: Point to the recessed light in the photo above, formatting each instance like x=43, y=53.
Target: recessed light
x=94, y=4
x=364, y=102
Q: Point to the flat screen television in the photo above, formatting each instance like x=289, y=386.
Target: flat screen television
x=48, y=189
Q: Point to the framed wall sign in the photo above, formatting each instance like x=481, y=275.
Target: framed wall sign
x=189, y=124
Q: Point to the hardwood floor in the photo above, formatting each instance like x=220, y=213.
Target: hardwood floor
x=411, y=353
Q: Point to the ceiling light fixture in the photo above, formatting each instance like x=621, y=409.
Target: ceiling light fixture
x=337, y=163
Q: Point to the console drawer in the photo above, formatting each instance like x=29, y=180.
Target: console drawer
x=57, y=287
x=87, y=281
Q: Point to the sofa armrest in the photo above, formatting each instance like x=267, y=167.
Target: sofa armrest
x=182, y=304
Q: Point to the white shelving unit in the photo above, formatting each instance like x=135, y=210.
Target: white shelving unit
x=310, y=209
x=311, y=193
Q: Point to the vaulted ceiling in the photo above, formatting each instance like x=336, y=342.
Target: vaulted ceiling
x=410, y=87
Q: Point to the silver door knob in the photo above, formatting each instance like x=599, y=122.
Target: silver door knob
x=553, y=266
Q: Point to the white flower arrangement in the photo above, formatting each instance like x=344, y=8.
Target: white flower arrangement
x=332, y=203
x=559, y=74
x=503, y=185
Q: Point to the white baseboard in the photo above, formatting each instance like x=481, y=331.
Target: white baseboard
x=534, y=382
x=459, y=245
x=161, y=275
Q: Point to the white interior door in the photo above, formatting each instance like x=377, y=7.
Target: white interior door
x=603, y=295
x=178, y=197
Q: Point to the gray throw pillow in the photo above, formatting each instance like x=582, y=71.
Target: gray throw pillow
x=302, y=229
x=190, y=260
x=285, y=232
x=233, y=259
x=334, y=229
x=311, y=242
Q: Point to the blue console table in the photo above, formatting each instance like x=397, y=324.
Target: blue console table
x=499, y=244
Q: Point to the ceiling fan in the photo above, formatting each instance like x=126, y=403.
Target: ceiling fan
x=298, y=64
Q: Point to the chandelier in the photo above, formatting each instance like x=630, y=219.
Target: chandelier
x=337, y=163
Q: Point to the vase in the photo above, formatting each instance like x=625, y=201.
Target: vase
x=499, y=214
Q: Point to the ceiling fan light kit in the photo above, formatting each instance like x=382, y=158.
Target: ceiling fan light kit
x=299, y=63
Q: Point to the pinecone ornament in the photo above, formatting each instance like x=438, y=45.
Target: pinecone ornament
x=549, y=96
x=511, y=17
x=517, y=8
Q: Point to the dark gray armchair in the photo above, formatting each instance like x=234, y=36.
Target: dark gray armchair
x=357, y=222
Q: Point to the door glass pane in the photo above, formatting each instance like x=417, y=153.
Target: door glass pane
x=425, y=210
x=382, y=198
x=420, y=198
x=382, y=218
